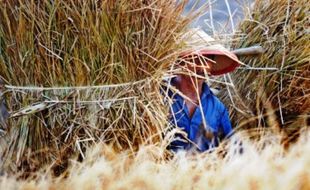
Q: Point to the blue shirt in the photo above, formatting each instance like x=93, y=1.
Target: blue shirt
x=200, y=135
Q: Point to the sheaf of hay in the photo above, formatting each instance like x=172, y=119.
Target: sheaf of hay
x=273, y=89
x=83, y=72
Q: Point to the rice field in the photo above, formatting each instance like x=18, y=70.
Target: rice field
x=82, y=82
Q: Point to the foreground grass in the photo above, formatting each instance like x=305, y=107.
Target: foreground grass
x=264, y=164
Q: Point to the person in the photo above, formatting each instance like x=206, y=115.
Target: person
x=201, y=116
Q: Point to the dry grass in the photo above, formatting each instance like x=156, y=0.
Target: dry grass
x=273, y=89
x=80, y=72
x=264, y=164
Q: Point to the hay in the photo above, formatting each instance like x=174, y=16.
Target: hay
x=276, y=94
x=259, y=167
x=117, y=50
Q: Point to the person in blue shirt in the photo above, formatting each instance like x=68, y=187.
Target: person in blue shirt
x=195, y=109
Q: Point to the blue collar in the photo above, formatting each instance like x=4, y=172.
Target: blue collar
x=205, y=90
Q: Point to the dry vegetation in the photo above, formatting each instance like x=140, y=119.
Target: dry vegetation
x=114, y=51
x=263, y=165
x=79, y=74
x=273, y=89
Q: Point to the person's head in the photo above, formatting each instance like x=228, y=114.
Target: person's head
x=209, y=61
x=209, y=57
x=196, y=64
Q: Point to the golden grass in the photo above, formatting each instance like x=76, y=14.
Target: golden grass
x=79, y=72
x=77, y=76
x=273, y=89
x=264, y=164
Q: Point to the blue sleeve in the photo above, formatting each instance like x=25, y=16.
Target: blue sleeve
x=225, y=124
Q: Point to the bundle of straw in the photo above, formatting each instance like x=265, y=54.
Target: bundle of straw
x=274, y=88
x=79, y=72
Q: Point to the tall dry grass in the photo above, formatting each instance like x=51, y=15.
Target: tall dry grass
x=264, y=164
x=272, y=90
x=79, y=72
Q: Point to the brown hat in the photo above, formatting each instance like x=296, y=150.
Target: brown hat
x=201, y=44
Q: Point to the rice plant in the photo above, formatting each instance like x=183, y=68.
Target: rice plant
x=273, y=89
x=84, y=73
x=264, y=164
x=79, y=72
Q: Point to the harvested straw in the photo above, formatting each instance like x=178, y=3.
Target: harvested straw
x=274, y=88
x=259, y=167
x=117, y=50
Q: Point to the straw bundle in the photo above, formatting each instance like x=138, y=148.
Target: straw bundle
x=274, y=88
x=117, y=50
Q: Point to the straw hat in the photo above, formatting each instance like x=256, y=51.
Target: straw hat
x=198, y=43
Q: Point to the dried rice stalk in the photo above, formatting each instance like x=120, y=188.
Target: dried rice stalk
x=70, y=69
x=282, y=76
